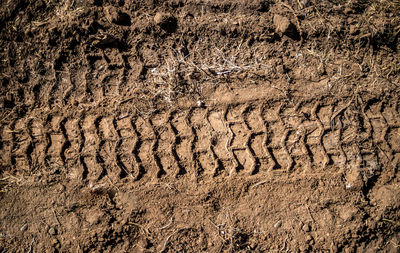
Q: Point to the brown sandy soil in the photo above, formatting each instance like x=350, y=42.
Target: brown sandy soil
x=199, y=126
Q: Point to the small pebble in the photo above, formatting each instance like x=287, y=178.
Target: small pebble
x=278, y=224
x=52, y=231
x=306, y=228
x=24, y=227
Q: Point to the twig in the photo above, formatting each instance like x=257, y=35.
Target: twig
x=217, y=227
x=169, y=224
x=309, y=213
x=260, y=183
x=300, y=4
x=394, y=244
x=112, y=183
x=31, y=245
x=145, y=230
x=284, y=243
x=55, y=215
x=167, y=239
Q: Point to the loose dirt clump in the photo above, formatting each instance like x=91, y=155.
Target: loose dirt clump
x=199, y=126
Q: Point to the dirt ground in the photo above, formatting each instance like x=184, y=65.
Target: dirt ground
x=199, y=126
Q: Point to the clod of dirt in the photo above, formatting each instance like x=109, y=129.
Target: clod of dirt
x=109, y=41
x=387, y=196
x=354, y=180
x=166, y=21
x=284, y=26
x=348, y=212
x=304, y=248
x=144, y=243
x=259, y=5
x=52, y=231
x=353, y=30
x=117, y=17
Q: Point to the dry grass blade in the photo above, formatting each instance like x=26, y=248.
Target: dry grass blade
x=182, y=74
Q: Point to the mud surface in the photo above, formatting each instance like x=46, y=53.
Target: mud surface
x=199, y=126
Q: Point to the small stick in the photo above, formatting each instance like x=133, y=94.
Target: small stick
x=112, y=182
x=167, y=239
x=30, y=246
x=309, y=213
x=169, y=224
x=300, y=4
x=260, y=183
x=55, y=215
x=395, y=244
x=145, y=230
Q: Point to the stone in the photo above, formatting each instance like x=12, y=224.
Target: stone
x=52, y=231
x=24, y=228
x=278, y=224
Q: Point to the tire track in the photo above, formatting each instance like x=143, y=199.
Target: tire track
x=287, y=129
x=184, y=140
x=146, y=151
x=379, y=128
x=138, y=165
x=169, y=165
x=72, y=148
x=125, y=146
x=253, y=133
x=266, y=140
x=39, y=143
x=245, y=155
x=220, y=141
x=6, y=145
x=228, y=146
x=22, y=146
x=385, y=135
x=53, y=93
x=77, y=94
x=90, y=150
x=218, y=166
x=332, y=140
x=314, y=113
x=160, y=172
x=108, y=145
x=56, y=140
x=275, y=126
x=256, y=143
x=205, y=164
x=176, y=141
x=67, y=87
x=299, y=148
x=238, y=139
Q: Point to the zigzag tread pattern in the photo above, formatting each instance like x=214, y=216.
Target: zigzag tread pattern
x=246, y=138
